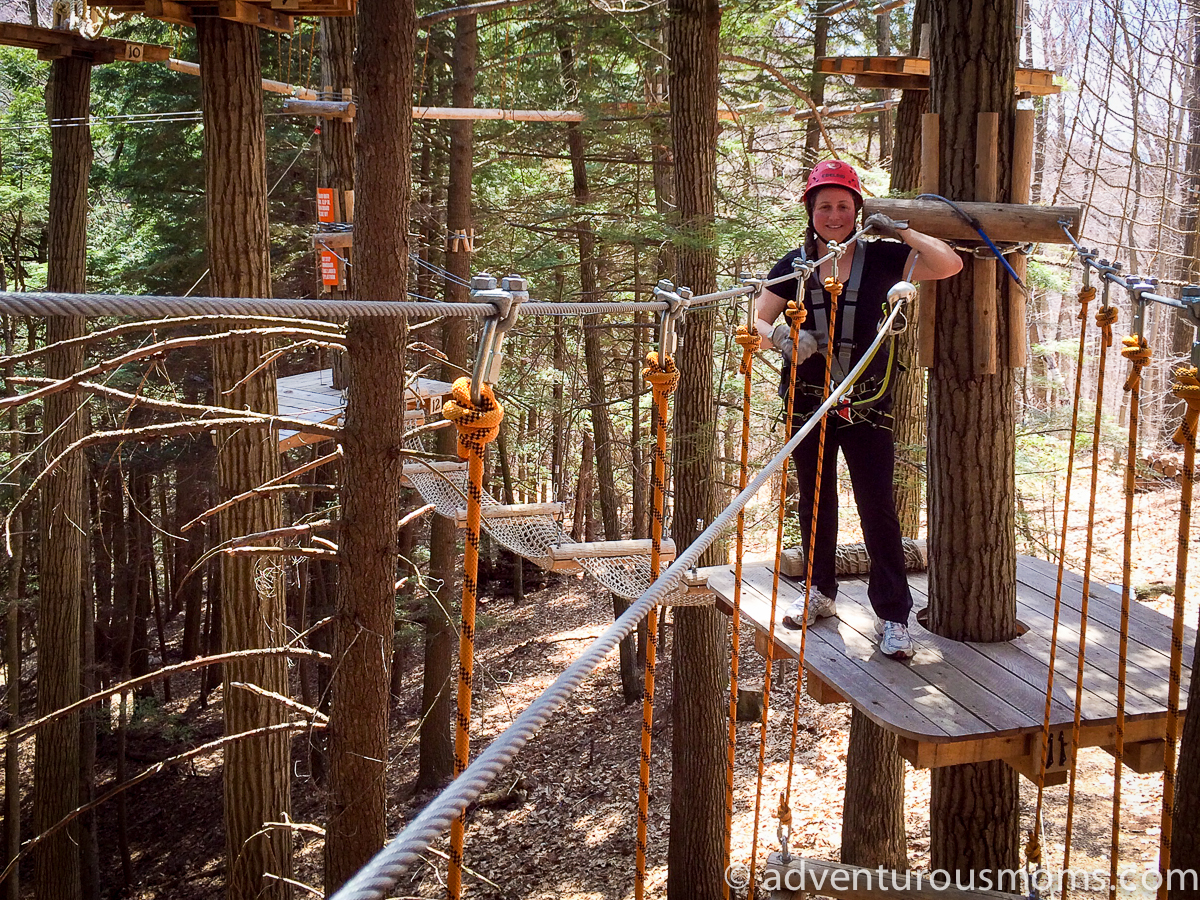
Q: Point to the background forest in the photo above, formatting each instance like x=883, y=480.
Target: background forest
x=583, y=211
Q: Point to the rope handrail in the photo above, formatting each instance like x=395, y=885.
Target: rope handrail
x=50, y=303
x=379, y=875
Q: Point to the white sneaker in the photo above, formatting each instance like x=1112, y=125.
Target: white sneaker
x=819, y=607
x=896, y=641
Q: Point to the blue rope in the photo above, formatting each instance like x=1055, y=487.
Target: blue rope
x=974, y=223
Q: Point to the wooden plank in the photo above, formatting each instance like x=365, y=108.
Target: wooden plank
x=249, y=14
x=513, y=511
x=848, y=659
x=333, y=239
x=884, y=707
x=1004, y=222
x=610, y=549
x=983, y=301
x=928, y=182
x=1022, y=185
x=819, y=689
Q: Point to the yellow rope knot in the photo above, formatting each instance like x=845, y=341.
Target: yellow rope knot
x=662, y=377
x=1106, y=318
x=477, y=426
x=1187, y=389
x=785, y=812
x=1137, y=351
x=797, y=312
x=834, y=287
x=1033, y=847
x=749, y=341
x=1086, y=296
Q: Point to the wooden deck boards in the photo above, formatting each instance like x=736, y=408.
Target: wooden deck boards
x=963, y=702
x=311, y=396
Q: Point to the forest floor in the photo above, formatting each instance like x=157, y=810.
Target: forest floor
x=573, y=836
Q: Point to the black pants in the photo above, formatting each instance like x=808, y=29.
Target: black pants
x=870, y=454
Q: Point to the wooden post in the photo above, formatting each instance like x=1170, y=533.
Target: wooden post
x=1022, y=184
x=986, y=163
x=928, y=183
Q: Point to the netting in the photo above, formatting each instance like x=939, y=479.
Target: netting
x=536, y=537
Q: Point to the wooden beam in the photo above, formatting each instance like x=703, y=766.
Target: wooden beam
x=1022, y=184
x=983, y=335
x=345, y=110
x=928, y=182
x=1143, y=757
x=819, y=690
x=1004, y=222
x=333, y=240
x=170, y=11
x=564, y=557
x=250, y=14
x=512, y=511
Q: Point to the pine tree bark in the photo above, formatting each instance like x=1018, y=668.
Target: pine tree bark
x=373, y=444
x=972, y=546
x=257, y=786
x=816, y=84
x=436, y=754
x=62, y=529
x=697, y=840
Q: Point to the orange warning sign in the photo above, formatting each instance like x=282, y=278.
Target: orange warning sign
x=325, y=205
x=330, y=269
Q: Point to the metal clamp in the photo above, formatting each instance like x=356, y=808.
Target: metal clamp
x=900, y=293
x=1138, y=285
x=677, y=301
x=507, y=299
x=755, y=285
x=803, y=269
x=784, y=833
x=1189, y=297
x=1109, y=271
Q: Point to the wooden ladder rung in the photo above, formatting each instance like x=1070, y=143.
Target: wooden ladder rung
x=512, y=511
x=565, y=557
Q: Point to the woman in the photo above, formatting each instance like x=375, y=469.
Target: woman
x=862, y=425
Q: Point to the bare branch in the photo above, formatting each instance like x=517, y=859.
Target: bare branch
x=166, y=324
x=287, y=531
x=474, y=9
x=155, y=769
x=783, y=79
x=313, y=714
x=290, y=651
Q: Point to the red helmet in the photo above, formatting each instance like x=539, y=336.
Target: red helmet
x=833, y=173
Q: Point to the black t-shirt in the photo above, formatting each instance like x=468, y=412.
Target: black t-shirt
x=883, y=266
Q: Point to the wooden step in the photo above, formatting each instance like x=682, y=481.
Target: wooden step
x=565, y=557
x=513, y=510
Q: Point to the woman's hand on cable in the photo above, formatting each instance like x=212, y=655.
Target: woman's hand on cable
x=885, y=226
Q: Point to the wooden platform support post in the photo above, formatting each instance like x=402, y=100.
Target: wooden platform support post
x=1022, y=187
x=984, y=272
x=928, y=184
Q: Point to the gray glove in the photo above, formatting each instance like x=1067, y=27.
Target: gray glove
x=884, y=226
x=805, y=346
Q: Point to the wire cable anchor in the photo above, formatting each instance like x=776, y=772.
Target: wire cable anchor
x=513, y=291
x=677, y=301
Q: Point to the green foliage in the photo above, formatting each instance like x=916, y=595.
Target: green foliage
x=1047, y=278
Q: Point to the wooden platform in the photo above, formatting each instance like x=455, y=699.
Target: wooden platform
x=271, y=15
x=911, y=73
x=312, y=397
x=57, y=43
x=964, y=702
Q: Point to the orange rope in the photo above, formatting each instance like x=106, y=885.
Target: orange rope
x=749, y=340
x=477, y=427
x=796, y=314
x=1186, y=388
x=663, y=378
x=1106, y=317
x=1033, y=847
x=834, y=288
x=1137, y=351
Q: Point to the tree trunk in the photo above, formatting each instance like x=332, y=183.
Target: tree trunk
x=257, y=786
x=972, y=545
x=873, y=806
x=56, y=755
x=816, y=84
x=695, y=854
x=436, y=764
x=373, y=440
x=883, y=47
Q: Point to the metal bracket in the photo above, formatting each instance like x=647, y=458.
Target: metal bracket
x=1189, y=296
x=1108, y=271
x=1138, y=285
x=900, y=293
x=784, y=833
x=507, y=299
x=755, y=283
x=677, y=301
